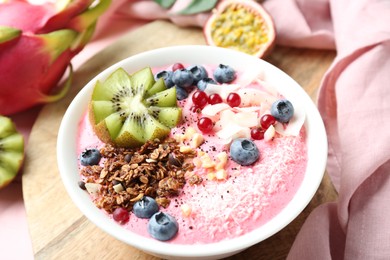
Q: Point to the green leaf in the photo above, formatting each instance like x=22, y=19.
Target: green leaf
x=165, y=3
x=198, y=6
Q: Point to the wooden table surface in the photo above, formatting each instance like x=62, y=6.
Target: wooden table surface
x=60, y=231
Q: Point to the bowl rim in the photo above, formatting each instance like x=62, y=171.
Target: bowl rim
x=317, y=154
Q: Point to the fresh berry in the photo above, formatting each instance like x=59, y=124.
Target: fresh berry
x=266, y=121
x=162, y=226
x=145, y=207
x=202, y=84
x=205, y=124
x=181, y=93
x=177, y=66
x=200, y=98
x=244, y=151
x=215, y=99
x=257, y=133
x=282, y=110
x=90, y=157
x=121, y=215
x=183, y=78
x=199, y=72
x=233, y=99
x=167, y=76
x=224, y=74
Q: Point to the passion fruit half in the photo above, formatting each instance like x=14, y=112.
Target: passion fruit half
x=243, y=25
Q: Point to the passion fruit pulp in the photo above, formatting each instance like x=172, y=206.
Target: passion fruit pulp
x=243, y=25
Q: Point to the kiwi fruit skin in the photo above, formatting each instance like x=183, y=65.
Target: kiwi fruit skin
x=119, y=108
x=11, y=151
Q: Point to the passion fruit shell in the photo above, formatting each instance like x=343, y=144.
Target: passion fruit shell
x=243, y=25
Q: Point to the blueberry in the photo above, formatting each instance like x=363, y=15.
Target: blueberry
x=199, y=72
x=202, y=84
x=162, y=226
x=183, y=78
x=181, y=93
x=167, y=76
x=224, y=74
x=145, y=207
x=90, y=157
x=282, y=110
x=244, y=151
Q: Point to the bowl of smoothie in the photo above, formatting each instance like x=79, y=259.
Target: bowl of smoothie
x=192, y=152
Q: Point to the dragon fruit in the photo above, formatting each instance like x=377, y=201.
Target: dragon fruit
x=37, y=43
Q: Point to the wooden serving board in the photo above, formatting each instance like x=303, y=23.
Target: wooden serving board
x=60, y=231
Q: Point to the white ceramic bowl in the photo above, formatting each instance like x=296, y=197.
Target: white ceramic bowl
x=316, y=142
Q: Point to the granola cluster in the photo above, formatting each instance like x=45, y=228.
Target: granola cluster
x=156, y=169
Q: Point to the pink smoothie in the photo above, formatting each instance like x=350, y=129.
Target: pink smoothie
x=225, y=208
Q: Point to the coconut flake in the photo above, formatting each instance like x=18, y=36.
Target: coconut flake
x=247, y=109
x=212, y=110
x=254, y=97
x=269, y=133
x=226, y=118
x=246, y=119
x=250, y=75
x=228, y=131
x=270, y=88
x=232, y=131
x=93, y=188
x=265, y=109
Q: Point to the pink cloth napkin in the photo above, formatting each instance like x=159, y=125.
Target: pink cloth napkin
x=353, y=101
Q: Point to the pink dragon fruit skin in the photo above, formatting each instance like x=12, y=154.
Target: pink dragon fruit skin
x=15, y=14
x=37, y=44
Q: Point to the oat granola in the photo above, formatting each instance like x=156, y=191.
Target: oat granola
x=156, y=169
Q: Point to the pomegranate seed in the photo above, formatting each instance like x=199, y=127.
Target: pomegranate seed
x=205, y=124
x=177, y=66
x=257, y=133
x=200, y=98
x=121, y=215
x=266, y=121
x=215, y=99
x=233, y=99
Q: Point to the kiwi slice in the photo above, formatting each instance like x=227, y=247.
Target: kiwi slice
x=169, y=116
x=128, y=110
x=11, y=151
